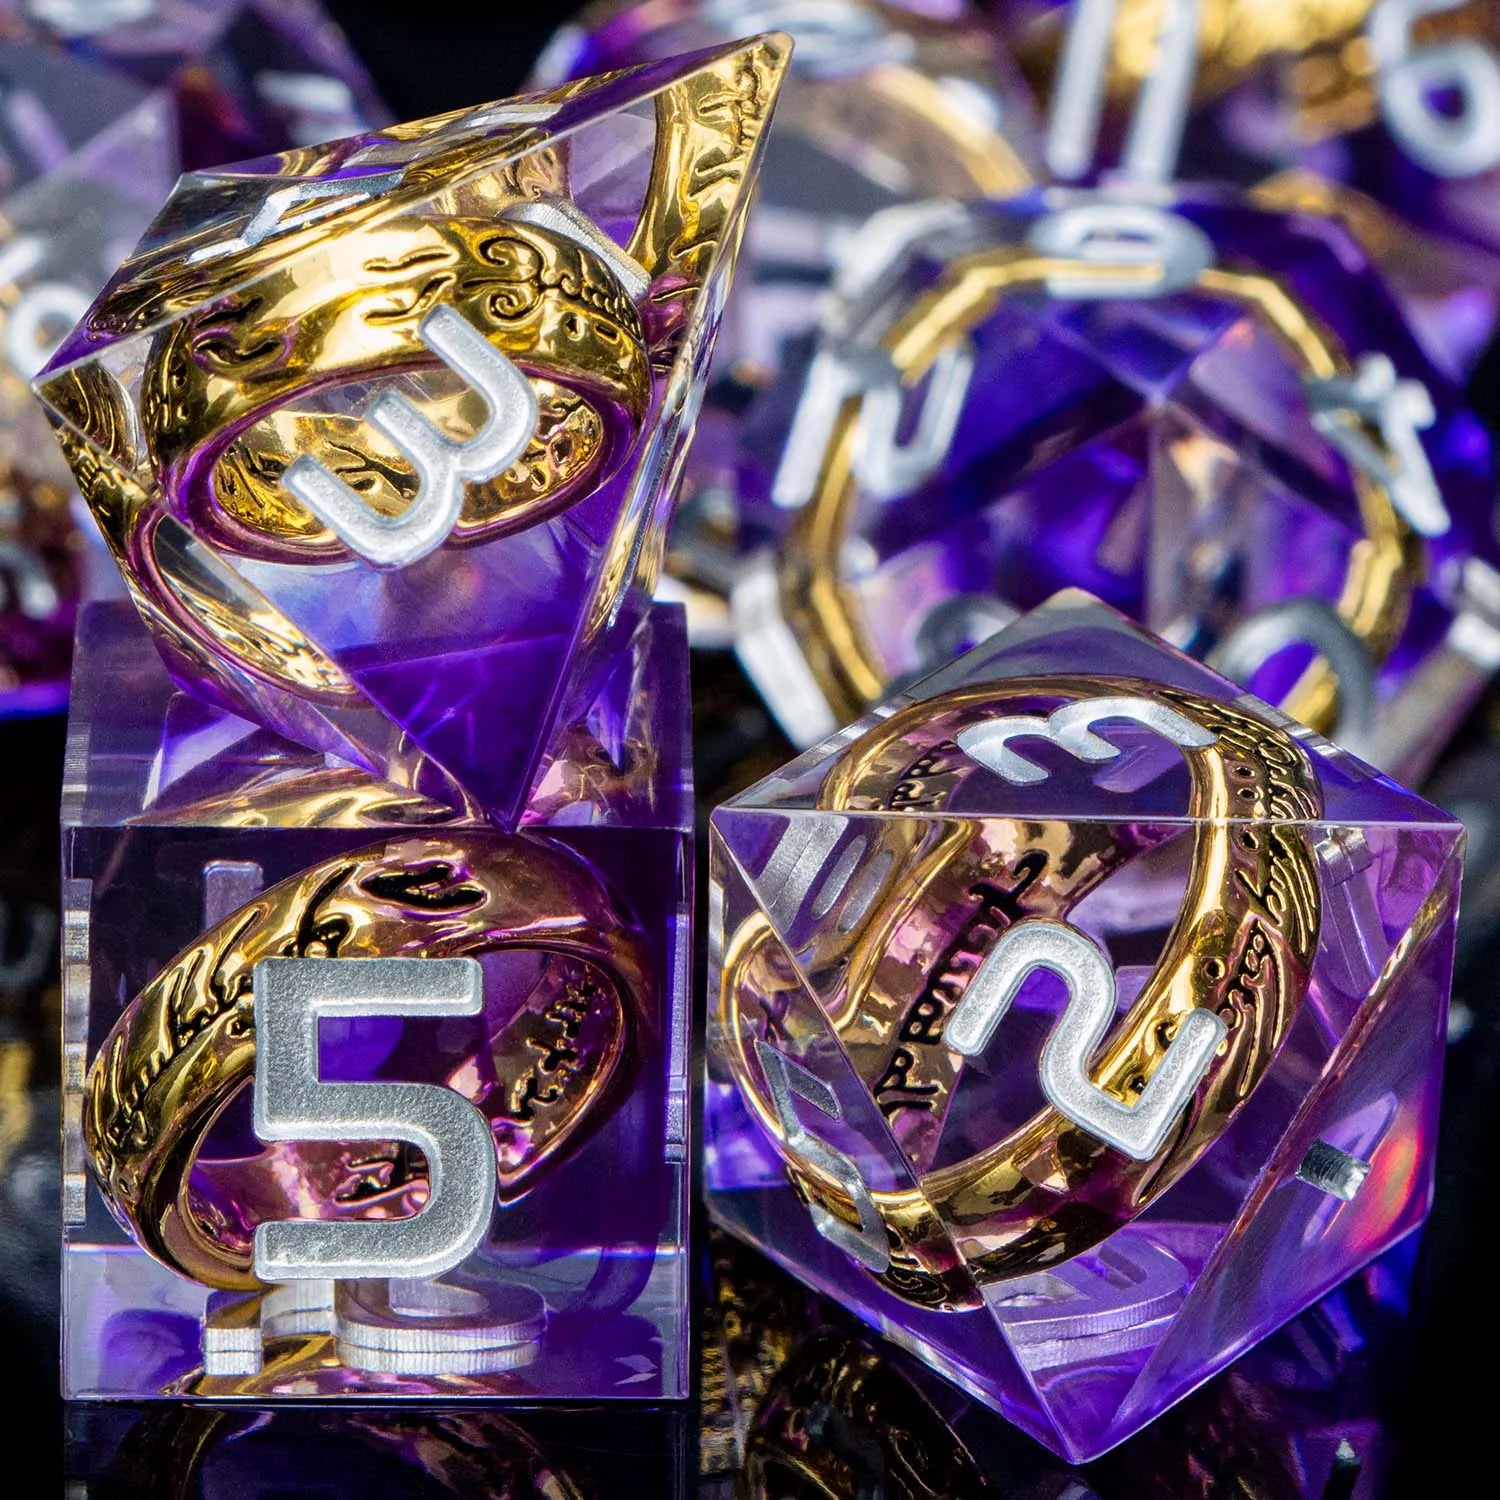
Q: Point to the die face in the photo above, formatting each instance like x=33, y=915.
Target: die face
x=79, y=181
x=884, y=106
x=1153, y=450
x=579, y=243
x=910, y=923
x=246, y=76
x=196, y=845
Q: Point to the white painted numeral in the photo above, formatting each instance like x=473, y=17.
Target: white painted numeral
x=292, y=1104
x=1459, y=145
x=1400, y=409
x=444, y=465
x=1140, y=1129
x=1071, y=728
x=789, y=1081
x=1125, y=237
x=1155, y=139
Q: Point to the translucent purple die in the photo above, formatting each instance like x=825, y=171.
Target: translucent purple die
x=1076, y=1019
x=350, y=1453
x=85, y=159
x=384, y=433
x=1260, y=463
x=197, y=844
x=246, y=76
x=1386, y=116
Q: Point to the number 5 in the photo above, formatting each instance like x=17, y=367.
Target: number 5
x=291, y=995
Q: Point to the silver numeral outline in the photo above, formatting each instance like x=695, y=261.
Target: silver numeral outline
x=1113, y=229
x=1071, y=728
x=1461, y=146
x=1154, y=141
x=1138, y=1130
x=291, y=1103
x=789, y=1081
x=444, y=465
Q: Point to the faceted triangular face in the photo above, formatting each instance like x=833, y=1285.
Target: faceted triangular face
x=1072, y=884
x=484, y=337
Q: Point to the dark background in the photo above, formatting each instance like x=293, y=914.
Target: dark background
x=426, y=58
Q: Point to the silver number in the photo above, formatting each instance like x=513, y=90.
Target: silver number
x=835, y=38
x=1140, y=1129
x=1315, y=623
x=43, y=314
x=444, y=465
x=1400, y=409
x=319, y=108
x=25, y=582
x=884, y=465
x=1127, y=236
x=1071, y=729
x=1108, y=231
x=1155, y=137
x=291, y=1104
x=1457, y=146
x=789, y=1081
x=38, y=324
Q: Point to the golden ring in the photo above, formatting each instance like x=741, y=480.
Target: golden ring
x=823, y=611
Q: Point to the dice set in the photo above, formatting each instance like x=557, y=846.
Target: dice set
x=1075, y=1002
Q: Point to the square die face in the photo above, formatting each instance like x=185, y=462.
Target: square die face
x=384, y=433
x=1077, y=1044
x=470, y=1027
